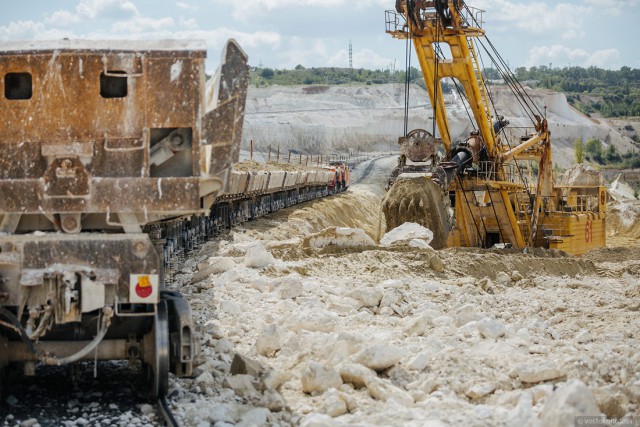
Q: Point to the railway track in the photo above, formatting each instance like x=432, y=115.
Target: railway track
x=165, y=412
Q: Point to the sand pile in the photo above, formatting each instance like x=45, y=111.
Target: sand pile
x=623, y=219
x=621, y=190
x=343, y=210
x=581, y=175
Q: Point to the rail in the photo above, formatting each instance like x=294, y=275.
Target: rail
x=165, y=412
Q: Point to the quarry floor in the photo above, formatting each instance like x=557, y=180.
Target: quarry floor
x=361, y=334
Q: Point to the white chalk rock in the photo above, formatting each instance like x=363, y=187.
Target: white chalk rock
x=269, y=341
x=369, y=297
x=254, y=417
x=419, y=244
x=383, y=390
x=214, y=265
x=537, y=373
x=395, y=300
x=420, y=361
x=230, y=307
x=584, y=337
x=491, y=328
x=418, y=325
x=379, y=356
x=443, y=321
x=273, y=400
x=315, y=320
x=220, y=264
x=274, y=378
x=522, y=414
x=318, y=420
x=358, y=375
x=467, y=313
x=541, y=391
x=205, y=378
x=227, y=277
x=480, y=390
x=570, y=400
x=332, y=403
x=257, y=256
x=406, y=233
x=503, y=278
x=241, y=384
x=292, y=289
x=338, y=236
x=318, y=378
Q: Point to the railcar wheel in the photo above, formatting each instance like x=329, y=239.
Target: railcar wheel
x=157, y=365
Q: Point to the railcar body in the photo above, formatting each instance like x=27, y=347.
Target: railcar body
x=100, y=142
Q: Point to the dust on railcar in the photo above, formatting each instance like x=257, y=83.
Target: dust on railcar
x=100, y=143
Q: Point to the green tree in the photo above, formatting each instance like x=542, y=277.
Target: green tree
x=612, y=154
x=578, y=148
x=594, y=150
x=267, y=73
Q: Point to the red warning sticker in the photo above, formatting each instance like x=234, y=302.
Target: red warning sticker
x=143, y=288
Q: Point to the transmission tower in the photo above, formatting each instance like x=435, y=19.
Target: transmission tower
x=350, y=55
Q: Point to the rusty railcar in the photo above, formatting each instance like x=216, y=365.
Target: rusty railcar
x=101, y=141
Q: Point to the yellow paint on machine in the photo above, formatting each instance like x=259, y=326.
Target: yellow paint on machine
x=574, y=233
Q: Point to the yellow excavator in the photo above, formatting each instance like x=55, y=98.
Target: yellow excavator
x=496, y=187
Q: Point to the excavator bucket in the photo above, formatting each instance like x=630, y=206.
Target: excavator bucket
x=419, y=200
x=225, y=100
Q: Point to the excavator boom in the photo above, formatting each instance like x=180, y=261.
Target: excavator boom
x=477, y=195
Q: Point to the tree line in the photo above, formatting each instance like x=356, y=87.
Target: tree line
x=594, y=151
x=594, y=91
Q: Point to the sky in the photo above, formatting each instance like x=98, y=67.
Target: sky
x=317, y=33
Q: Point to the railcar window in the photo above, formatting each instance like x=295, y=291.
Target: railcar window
x=113, y=84
x=18, y=86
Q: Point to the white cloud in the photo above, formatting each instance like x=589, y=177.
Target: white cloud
x=304, y=51
x=30, y=30
x=607, y=58
x=564, y=19
x=190, y=24
x=613, y=7
x=109, y=9
x=62, y=18
x=365, y=58
x=141, y=25
x=562, y=55
x=186, y=6
x=316, y=52
x=243, y=11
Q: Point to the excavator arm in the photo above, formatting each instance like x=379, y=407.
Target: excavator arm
x=442, y=33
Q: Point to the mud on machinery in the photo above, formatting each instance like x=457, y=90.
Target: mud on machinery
x=100, y=140
x=495, y=187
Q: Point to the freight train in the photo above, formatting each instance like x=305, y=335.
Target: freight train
x=115, y=161
x=253, y=190
x=100, y=141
